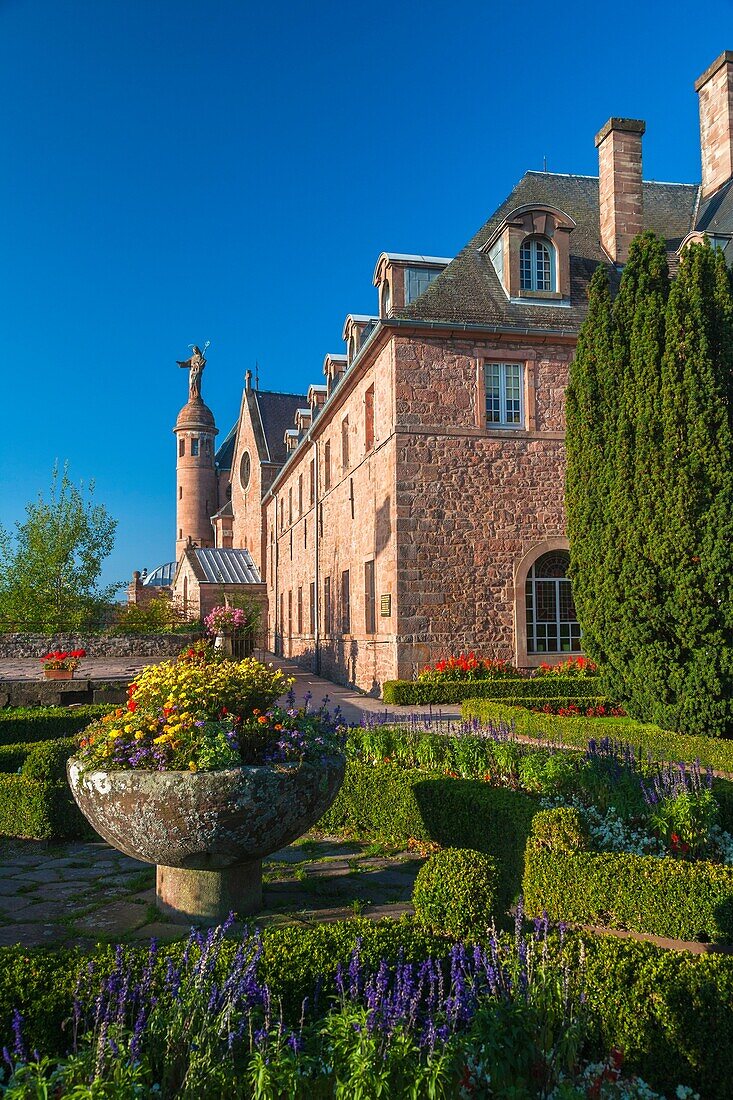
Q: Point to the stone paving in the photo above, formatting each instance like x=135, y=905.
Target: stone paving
x=79, y=894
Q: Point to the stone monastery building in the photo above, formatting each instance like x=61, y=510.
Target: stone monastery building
x=409, y=505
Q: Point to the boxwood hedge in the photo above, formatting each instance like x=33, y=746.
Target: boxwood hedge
x=544, y=688
x=396, y=805
x=665, y=897
x=25, y=724
x=35, y=800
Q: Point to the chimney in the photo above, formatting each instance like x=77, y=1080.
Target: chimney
x=620, y=194
x=715, y=93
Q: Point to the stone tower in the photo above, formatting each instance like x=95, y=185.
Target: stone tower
x=196, y=483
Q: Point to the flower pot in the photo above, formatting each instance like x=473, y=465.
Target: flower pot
x=223, y=642
x=206, y=831
x=58, y=673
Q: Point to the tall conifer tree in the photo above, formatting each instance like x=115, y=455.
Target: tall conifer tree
x=589, y=415
x=650, y=487
x=696, y=496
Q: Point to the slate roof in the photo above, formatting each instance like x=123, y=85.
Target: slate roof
x=469, y=291
x=277, y=413
x=220, y=565
x=716, y=216
x=225, y=453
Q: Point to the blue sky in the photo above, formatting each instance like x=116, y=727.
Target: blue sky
x=178, y=171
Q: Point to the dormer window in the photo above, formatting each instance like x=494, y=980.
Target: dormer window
x=536, y=264
x=530, y=254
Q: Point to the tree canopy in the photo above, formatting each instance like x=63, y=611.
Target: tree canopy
x=649, y=488
x=51, y=564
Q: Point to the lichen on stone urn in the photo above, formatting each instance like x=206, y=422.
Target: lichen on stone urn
x=216, y=821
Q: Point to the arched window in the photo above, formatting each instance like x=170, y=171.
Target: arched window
x=552, y=625
x=536, y=264
x=386, y=298
x=185, y=595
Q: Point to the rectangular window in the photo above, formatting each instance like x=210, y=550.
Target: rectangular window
x=370, y=618
x=327, y=605
x=327, y=465
x=417, y=281
x=369, y=418
x=181, y=447
x=313, y=483
x=312, y=608
x=194, y=447
x=320, y=520
x=300, y=611
x=290, y=504
x=345, y=443
x=504, y=397
x=305, y=534
x=282, y=613
x=345, y=603
x=290, y=613
x=180, y=492
x=300, y=494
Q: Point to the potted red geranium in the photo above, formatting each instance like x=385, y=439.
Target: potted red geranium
x=59, y=665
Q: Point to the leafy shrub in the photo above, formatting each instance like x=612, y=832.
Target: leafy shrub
x=455, y=891
x=159, y=616
x=46, y=761
x=561, y=830
x=664, y=897
x=661, y=744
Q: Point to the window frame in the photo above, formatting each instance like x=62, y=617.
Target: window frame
x=370, y=598
x=327, y=617
x=504, y=423
x=534, y=242
x=345, y=602
x=369, y=419
x=556, y=623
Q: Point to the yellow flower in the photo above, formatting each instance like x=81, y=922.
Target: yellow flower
x=192, y=767
x=139, y=735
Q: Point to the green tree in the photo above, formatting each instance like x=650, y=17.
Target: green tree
x=649, y=487
x=50, y=566
x=696, y=496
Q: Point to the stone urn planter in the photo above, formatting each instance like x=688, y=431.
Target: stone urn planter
x=207, y=832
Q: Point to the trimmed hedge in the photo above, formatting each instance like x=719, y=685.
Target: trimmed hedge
x=662, y=744
x=26, y=724
x=546, y=688
x=394, y=805
x=665, y=897
x=670, y=1012
x=455, y=891
x=35, y=800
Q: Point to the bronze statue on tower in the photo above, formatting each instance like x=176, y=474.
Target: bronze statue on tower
x=195, y=365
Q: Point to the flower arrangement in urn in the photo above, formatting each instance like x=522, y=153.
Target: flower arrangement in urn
x=226, y=620
x=201, y=771
x=204, y=712
x=61, y=665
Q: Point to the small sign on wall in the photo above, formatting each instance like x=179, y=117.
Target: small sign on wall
x=385, y=604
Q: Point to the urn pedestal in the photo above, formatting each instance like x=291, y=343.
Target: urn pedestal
x=207, y=832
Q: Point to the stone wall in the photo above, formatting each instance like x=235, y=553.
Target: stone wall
x=354, y=523
x=18, y=646
x=472, y=502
